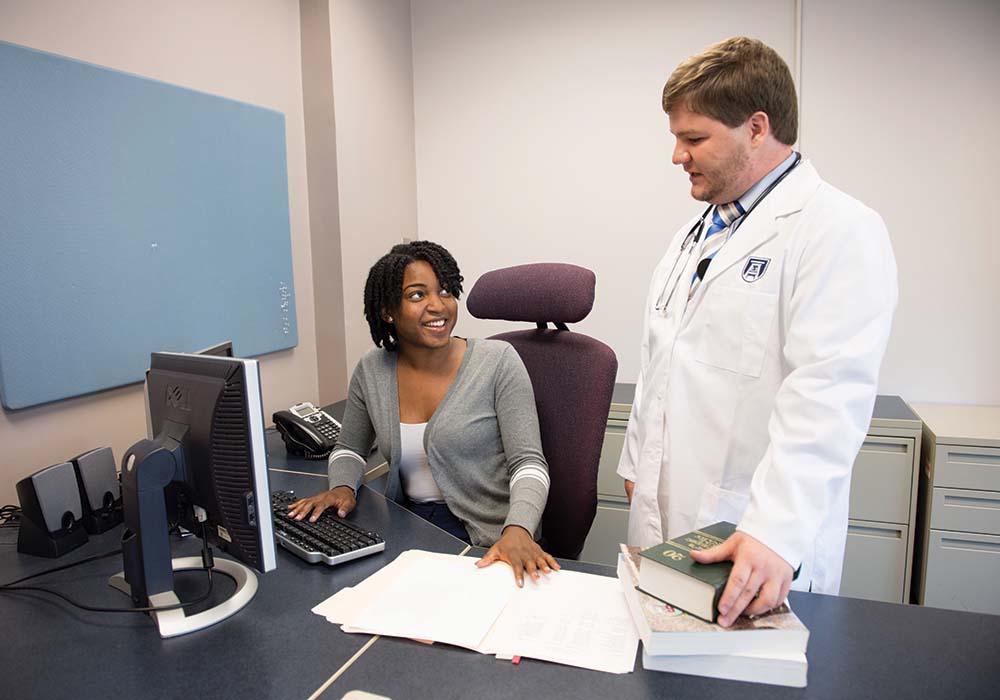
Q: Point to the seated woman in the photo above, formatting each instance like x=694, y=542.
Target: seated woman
x=455, y=418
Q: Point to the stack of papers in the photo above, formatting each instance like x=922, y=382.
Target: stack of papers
x=566, y=617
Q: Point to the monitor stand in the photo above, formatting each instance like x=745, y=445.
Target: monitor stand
x=174, y=623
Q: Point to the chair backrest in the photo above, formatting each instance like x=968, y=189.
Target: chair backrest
x=573, y=376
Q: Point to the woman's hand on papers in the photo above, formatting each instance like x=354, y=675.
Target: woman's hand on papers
x=342, y=498
x=516, y=547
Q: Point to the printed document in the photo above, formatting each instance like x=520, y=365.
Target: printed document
x=442, y=598
x=566, y=617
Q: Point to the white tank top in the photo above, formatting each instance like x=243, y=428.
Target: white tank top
x=414, y=471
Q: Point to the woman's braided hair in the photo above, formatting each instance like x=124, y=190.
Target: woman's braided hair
x=384, y=287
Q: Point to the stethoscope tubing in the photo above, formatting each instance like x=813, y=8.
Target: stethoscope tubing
x=694, y=235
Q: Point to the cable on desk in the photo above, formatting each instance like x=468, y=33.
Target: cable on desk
x=61, y=568
x=92, y=608
x=207, y=561
x=10, y=516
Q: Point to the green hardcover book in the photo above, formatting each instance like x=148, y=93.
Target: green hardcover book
x=670, y=574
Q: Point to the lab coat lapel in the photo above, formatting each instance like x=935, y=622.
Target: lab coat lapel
x=762, y=224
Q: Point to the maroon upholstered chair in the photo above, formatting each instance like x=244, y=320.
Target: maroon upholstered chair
x=573, y=376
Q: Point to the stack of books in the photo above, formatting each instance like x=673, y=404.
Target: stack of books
x=768, y=648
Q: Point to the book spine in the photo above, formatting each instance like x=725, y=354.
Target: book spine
x=715, y=601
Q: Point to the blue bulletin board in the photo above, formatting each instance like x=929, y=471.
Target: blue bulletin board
x=135, y=216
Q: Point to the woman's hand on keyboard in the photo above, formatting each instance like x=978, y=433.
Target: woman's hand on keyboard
x=342, y=498
x=516, y=547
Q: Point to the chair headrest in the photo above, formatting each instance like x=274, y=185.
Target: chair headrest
x=538, y=293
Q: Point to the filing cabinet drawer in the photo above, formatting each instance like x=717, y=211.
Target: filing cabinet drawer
x=961, y=467
x=965, y=510
x=962, y=572
x=609, y=530
x=874, y=561
x=881, y=480
x=609, y=484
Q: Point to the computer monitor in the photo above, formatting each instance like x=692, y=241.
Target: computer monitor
x=223, y=349
x=205, y=469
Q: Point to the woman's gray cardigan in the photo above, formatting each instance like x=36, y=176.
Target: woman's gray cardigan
x=483, y=443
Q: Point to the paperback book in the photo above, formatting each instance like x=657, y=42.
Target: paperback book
x=774, y=669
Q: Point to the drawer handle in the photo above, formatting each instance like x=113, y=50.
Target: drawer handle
x=972, y=502
x=890, y=447
x=970, y=458
x=951, y=543
x=886, y=533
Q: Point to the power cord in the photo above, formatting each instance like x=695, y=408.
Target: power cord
x=53, y=570
x=207, y=564
x=10, y=516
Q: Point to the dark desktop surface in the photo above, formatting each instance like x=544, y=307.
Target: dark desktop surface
x=275, y=647
x=857, y=649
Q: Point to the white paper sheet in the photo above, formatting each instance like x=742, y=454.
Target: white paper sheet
x=568, y=618
x=442, y=598
x=344, y=606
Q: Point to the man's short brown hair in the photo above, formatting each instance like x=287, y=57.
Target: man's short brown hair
x=731, y=80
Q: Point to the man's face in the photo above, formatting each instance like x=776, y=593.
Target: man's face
x=715, y=157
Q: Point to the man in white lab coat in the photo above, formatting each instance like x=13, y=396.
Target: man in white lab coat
x=763, y=333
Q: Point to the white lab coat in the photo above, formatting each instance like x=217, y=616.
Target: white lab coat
x=754, y=398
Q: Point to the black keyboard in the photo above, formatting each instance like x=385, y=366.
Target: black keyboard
x=330, y=539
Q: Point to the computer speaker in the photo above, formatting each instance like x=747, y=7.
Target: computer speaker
x=51, y=512
x=100, y=492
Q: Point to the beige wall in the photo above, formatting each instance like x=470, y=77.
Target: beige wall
x=242, y=49
x=324, y=201
x=900, y=108
x=373, y=102
x=539, y=136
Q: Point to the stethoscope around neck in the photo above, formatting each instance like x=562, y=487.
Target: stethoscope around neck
x=694, y=235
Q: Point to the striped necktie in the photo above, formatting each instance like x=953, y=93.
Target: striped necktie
x=722, y=218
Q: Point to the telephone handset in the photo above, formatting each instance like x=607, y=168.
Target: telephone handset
x=307, y=430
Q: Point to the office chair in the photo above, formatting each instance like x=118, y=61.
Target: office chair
x=572, y=375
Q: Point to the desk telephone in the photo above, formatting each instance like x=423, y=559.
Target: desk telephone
x=307, y=430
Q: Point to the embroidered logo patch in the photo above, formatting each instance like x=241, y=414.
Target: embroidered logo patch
x=755, y=269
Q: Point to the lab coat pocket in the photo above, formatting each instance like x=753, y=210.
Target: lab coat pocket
x=736, y=329
x=719, y=504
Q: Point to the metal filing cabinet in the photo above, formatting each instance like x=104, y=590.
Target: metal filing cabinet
x=878, y=555
x=958, y=543
x=878, y=560
x=611, y=522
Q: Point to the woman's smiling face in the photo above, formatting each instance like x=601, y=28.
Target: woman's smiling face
x=427, y=312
